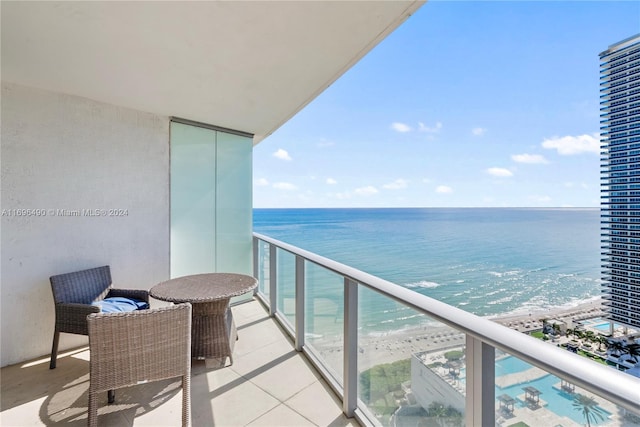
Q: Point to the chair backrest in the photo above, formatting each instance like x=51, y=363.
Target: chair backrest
x=139, y=346
x=82, y=287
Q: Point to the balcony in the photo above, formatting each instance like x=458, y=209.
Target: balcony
x=315, y=357
x=251, y=392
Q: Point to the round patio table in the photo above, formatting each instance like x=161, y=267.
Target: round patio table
x=213, y=331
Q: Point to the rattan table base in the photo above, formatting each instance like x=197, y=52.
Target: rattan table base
x=213, y=331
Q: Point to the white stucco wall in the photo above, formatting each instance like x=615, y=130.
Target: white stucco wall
x=428, y=387
x=60, y=152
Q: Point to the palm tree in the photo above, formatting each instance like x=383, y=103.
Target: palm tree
x=589, y=408
x=590, y=336
x=617, y=347
x=634, y=351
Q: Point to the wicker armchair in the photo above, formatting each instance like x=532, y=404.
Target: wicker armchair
x=73, y=294
x=137, y=347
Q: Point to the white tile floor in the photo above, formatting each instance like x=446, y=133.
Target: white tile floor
x=269, y=384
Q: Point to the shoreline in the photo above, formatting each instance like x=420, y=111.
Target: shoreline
x=381, y=348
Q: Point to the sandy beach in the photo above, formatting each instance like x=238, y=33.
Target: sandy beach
x=398, y=345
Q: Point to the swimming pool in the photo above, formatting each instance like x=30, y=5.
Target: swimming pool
x=599, y=324
x=559, y=402
x=510, y=365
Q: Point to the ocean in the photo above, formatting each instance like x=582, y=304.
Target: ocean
x=487, y=261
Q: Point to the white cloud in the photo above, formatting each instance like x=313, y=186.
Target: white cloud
x=499, y=172
x=540, y=199
x=423, y=128
x=287, y=186
x=478, y=131
x=582, y=185
x=398, y=184
x=331, y=181
x=282, y=154
x=570, y=145
x=261, y=182
x=529, y=158
x=444, y=189
x=400, y=127
x=366, y=191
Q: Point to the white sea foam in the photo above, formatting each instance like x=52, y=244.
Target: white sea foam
x=423, y=284
x=504, y=273
x=501, y=300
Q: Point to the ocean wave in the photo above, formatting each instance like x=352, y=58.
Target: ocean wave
x=423, y=284
x=505, y=273
x=501, y=300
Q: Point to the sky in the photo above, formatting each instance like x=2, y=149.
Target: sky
x=466, y=104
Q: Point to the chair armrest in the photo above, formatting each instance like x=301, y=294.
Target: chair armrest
x=76, y=309
x=138, y=294
x=72, y=317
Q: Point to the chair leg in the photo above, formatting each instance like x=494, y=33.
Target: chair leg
x=54, y=349
x=186, y=400
x=111, y=396
x=92, y=414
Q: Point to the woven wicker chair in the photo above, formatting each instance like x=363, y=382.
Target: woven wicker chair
x=137, y=347
x=73, y=294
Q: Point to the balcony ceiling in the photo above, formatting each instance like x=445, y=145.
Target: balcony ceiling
x=248, y=66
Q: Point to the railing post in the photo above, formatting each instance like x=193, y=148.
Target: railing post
x=350, y=347
x=480, y=399
x=300, y=314
x=256, y=255
x=273, y=274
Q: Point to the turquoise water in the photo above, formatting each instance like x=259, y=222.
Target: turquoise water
x=510, y=365
x=485, y=261
x=556, y=400
x=602, y=326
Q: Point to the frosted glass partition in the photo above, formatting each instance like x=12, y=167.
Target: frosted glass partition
x=211, y=201
x=234, y=203
x=193, y=200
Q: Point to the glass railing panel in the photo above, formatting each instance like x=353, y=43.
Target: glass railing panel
x=411, y=367
x=533, y=396
x=263, y=268
x=286, y=285
x=324, y=317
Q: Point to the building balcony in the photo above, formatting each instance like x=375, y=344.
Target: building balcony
x=268, y=384
x=313, y=350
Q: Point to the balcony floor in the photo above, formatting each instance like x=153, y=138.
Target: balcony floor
x=269, y=384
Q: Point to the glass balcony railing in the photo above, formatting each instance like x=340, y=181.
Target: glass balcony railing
x=399, y=358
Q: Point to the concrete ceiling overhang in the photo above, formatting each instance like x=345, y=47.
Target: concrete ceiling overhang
x=247, y=66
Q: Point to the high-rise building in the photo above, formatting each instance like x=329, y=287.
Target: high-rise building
x=620, y=187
